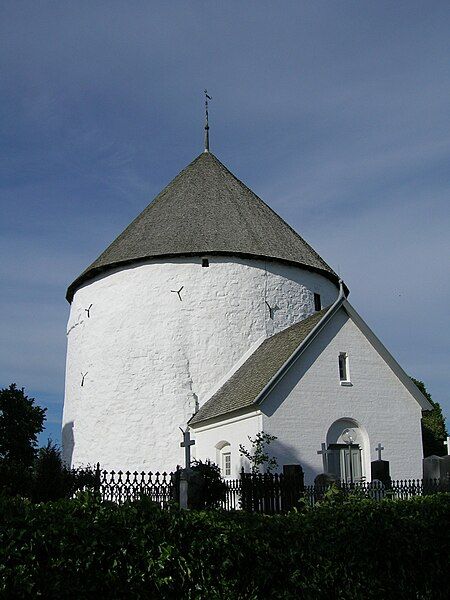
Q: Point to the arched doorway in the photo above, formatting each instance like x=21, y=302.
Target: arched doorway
x=346, y=447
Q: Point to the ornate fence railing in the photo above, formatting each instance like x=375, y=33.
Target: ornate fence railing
x=265, y=493
x=123, y=486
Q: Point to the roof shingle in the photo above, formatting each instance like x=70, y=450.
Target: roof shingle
x=244, y=386
x=206, y=210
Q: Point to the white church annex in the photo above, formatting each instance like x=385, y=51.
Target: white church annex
x=210, y=310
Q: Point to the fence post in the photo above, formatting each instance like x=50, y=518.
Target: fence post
x=246, y=491
x=97, y=479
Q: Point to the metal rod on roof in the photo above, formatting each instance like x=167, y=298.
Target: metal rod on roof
x=206, y=122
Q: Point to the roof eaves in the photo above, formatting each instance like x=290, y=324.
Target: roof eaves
x=93, y=272
x=229, y=414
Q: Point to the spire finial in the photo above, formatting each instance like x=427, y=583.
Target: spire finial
x=206, y=122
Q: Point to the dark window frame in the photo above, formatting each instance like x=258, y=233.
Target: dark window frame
x=317, y=302
x=343, y=366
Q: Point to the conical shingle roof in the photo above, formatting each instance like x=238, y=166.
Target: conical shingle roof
x=206, y=210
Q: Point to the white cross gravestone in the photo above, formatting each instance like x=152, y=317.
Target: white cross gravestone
x=379, y=469
x=324, y=451
x=186, y=444
x=447, y=443
x=379, y=448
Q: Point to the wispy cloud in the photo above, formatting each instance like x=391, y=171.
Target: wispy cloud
x=336, y=114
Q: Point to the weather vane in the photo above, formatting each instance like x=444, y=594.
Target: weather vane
x=206, y=121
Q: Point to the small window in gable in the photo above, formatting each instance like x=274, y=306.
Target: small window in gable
x=343, y=368
x=205, y=262
x=317, y=302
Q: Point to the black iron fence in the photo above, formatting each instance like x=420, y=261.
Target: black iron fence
x=265, y=493
x=123, y=486
x=277, y=493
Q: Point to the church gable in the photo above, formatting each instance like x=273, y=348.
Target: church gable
x=361, y=355
x=320, y=398
x=387, y=357
x=338, y=380
x=343, y=362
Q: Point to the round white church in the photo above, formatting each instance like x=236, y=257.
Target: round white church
x=209, y=311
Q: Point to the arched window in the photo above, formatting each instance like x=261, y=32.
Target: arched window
x=346, y=443
x=223, y=449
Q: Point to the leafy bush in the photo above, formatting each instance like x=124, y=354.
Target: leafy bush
x=83, y=548
x=213, y=489
x=434, y=431
x=258, y=456
x=51, y=479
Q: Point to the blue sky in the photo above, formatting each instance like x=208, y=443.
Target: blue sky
x=335, y=113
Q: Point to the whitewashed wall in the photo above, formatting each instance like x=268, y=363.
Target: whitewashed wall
x=234, y=431
x=148, y=357
x=307, y=401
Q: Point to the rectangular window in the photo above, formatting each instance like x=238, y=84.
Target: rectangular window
x=205, y=262
x=317, y=302
x=343, y=367
x=226, y=464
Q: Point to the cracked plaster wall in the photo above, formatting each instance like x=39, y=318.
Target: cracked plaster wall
x=151, y=358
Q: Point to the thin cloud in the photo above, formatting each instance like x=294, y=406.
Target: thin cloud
x=337, y=116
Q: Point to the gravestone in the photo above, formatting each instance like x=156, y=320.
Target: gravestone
x=191, y=489
x=324, y=451
x=324, y=479
x=293, y=486
x=190, y=483
x=188, y=488
x=432, y=467
x=445, y=473
x=294, y=472
x=323, y=482
x=186, y=444
x=379, y=470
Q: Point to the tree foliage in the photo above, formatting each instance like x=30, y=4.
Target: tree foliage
x=434, y=432
x=51, y=478
x=20, y=423
x=25, y=470
x=258, y=455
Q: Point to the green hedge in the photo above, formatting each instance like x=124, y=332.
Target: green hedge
x=363, y=550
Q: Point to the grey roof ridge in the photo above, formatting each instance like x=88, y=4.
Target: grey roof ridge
x=302, y=347
x=379, y=347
